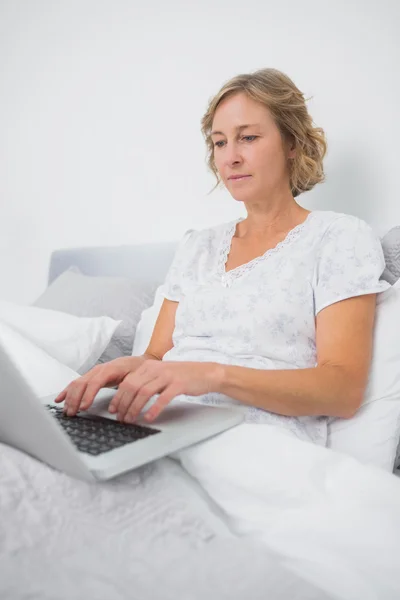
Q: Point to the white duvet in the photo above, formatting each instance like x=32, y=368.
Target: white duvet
x=147, y=535
x=273, y=517
x=330, y=518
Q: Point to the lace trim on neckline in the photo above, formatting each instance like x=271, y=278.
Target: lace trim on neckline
x=232, y=274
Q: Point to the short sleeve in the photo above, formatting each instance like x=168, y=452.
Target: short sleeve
x=350, y=262
x=171, y=288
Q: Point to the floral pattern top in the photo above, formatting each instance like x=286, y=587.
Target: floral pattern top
x=262, y=314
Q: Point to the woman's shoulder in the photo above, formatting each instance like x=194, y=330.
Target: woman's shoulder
x=330, y=224
x=195, y=240
x=206, y=234
x=340, y=219
x=345, y=235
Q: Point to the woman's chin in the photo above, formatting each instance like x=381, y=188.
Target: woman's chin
x=241, y=197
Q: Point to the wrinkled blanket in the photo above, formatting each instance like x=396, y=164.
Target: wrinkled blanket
x=151, y=534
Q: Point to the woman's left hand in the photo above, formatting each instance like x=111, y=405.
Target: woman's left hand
x=169, y=379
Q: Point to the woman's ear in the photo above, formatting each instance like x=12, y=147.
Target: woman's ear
x=292, y=148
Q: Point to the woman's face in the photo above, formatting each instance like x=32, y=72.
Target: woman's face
x=257, y=150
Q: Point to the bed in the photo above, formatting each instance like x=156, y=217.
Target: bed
x=305, y=522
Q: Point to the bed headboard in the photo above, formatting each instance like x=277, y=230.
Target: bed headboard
x=143, y=262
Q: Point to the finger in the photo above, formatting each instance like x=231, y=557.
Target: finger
x=142, y=397
x=75, y=392
x=121, y=401
x=132, y=390
x=88, y=386
x=125, y=398
x=131, y=378
x=92, y=389
x=162, y=401
x=130, y=396
x=61, y=396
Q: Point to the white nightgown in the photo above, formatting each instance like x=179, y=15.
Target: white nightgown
x=262, y=314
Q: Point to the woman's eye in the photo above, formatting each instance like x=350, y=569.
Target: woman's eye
x=245, y=137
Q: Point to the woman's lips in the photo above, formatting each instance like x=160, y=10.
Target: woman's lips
x=240, y=178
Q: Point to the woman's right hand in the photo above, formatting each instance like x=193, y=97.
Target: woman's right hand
x=81, y=392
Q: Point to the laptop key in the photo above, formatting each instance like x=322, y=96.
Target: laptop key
x=94, y=435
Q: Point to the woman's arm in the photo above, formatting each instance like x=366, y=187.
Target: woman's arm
x=335, y=387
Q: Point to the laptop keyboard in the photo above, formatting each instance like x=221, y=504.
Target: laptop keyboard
x=94, y=434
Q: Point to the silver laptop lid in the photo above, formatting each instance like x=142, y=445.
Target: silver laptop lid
x=25, y=424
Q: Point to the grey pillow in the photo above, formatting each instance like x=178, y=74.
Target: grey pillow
x=86, y=296
x=391, y=250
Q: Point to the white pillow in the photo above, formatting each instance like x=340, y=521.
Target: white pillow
x=372, y=435
x=148, y=318
x=74, y=341
x=44, y=374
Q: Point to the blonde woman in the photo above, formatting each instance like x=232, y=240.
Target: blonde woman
x=273, y=312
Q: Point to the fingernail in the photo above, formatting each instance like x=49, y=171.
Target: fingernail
x=129, y=419
x=111, y=409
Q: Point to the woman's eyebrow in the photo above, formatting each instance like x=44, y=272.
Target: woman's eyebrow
x=238, y=128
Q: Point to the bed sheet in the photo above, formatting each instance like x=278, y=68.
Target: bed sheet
x=150, y=534
x=329, y=517
x=249, y=512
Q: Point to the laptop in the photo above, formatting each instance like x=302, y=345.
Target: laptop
x=93, y=445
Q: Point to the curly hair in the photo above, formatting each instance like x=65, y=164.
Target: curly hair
x=286, y=103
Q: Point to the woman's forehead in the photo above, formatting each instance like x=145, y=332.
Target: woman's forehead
x=239, y=110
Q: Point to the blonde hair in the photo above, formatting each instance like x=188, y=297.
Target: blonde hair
x=286, y=103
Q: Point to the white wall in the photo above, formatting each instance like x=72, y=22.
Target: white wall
x=101, y=104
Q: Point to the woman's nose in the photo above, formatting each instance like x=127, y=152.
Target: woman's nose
x=232, y=157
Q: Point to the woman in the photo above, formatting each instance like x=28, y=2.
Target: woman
x=273, y=312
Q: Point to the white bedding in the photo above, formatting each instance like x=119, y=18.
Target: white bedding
x=299, y=522
x=328, y=516
x=147, y=535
